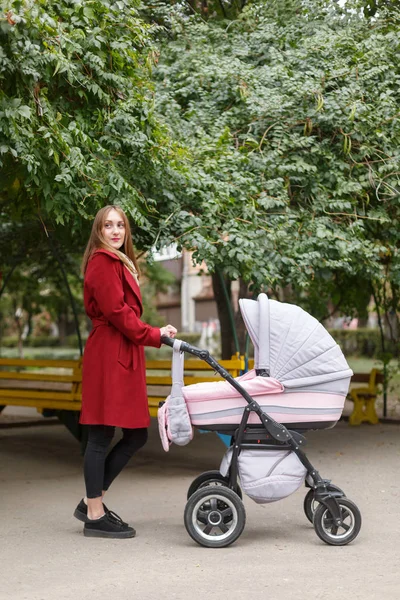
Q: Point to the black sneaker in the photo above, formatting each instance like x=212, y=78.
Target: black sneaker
x=108, y=526
x=80, y=512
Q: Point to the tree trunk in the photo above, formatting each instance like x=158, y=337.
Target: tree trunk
x=239, y=323
x=18, y=322
x=30, y=324
x=62, y=327
x=227, y=344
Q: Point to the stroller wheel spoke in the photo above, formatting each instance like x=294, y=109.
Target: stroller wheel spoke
x=334, y=529
x=224, y=528
x=226, y=513
x=208, y=528
x=202, y=516
x=213, y=503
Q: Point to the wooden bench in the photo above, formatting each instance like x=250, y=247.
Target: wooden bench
x=364, y=397
x=38, y=383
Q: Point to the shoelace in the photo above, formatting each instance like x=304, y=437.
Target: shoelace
x=116, y=519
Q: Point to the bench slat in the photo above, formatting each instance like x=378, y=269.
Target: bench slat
x=40, y=403
x=28, y=362
x=155, y=380
x=8, y=395
x=365, y=377
x=12, y=384
x=15, y=375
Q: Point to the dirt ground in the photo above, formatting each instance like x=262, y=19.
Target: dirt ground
x=44, y=555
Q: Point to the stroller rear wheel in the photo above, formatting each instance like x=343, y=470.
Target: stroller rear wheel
x=210, y=478
x=338, y=535
x=310, y=504
x=214, y=516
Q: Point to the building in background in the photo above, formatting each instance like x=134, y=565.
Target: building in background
x=189, y=303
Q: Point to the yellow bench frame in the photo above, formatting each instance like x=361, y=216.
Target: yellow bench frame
x=43, y=390
x=364, y=410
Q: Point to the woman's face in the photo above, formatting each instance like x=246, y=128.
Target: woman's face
x=114, y=229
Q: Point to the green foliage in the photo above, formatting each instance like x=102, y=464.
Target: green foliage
x=371, y=7
x=77, y=131
x=362, y=341
x=163, y=11
x=283, y=169
x=291, y=116
x=77, y=124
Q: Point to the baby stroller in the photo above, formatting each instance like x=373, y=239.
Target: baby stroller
x=300, y=382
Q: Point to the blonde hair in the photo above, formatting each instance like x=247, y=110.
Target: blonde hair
x=96, y=240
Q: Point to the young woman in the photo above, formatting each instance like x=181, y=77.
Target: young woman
x=114, y=376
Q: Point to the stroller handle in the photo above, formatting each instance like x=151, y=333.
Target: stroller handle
x=185, y=347
x=165, y=339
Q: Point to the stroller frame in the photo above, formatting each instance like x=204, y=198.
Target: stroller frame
x=271, y=435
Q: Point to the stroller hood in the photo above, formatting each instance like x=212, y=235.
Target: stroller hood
x=291, y=344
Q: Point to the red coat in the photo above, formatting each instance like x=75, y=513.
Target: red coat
x=114, y=373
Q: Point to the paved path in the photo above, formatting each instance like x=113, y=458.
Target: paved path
x=44, y=556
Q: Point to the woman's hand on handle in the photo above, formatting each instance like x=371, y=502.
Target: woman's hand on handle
x=168, y=331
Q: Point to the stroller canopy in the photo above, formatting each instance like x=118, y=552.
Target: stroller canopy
x=292, y=345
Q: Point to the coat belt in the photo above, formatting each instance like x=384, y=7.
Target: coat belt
x=98, y=322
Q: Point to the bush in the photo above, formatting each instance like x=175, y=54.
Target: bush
x=41, y=341
x=71, y=341
x=190, y=338
x=10, y=341
x=363, y=341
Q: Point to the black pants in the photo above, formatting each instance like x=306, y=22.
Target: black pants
x=100, y=469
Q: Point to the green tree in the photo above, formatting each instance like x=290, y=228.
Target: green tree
x=291, y=116
x=77, y=122
x=77, y=131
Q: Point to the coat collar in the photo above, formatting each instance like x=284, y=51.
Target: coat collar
x=104, y=251
x=126, y=274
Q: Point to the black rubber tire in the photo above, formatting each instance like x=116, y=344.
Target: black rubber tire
x=218, y=504
x=310, y=505
x=330, y=534
x=210, y=478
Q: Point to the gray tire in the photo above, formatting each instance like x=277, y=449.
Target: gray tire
x=214, y=516
x=340, y=535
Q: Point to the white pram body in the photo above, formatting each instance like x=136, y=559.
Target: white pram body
x=308, y=375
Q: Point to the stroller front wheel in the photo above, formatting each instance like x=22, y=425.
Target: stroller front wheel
x=338, y=535
x=210, y=478
x=310, y=504
x=214, y=516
